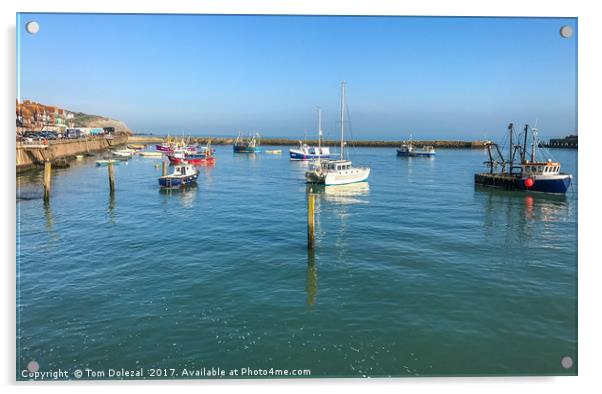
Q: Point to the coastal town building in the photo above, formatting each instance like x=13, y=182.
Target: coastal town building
x=35, y=116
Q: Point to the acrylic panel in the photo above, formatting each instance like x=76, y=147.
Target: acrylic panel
x=262, y=196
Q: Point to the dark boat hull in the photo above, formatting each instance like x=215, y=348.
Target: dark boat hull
x=558, y=184
x=171, y=182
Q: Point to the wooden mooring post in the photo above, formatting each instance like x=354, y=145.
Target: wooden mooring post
x=163, y=168
x=47, y=178
x=111, y=178
x=310, y=219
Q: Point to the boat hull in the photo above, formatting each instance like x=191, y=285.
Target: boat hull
x=404, y=153
x=552, y=184
x=198, y=161
x=328, y=179
x=245, y=149
x=177, y=181
x=299, y=155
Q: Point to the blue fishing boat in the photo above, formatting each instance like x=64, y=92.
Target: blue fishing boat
x=408, y=150
x=523, y=171
x=250, y=145
x=182, y=175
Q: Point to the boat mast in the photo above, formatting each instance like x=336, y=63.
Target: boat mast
x=319, y=127
x=525, y=144
x=342, y=117
x=534, y=132
x=510, y=148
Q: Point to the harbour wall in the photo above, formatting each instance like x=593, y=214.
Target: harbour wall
x=142, y=139
x=59, y=151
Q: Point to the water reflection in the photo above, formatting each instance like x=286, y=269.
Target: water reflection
x=342, y=194
x=48, y=216
x=184, y=195
x=111, y=208
x=312, y=280
x=518, y=214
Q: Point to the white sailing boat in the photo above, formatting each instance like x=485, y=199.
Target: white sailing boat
x=341, y=171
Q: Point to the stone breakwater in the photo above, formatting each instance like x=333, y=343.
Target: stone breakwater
x=59, y=151
x=141, y=139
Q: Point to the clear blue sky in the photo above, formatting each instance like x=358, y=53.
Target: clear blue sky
x=433, y=77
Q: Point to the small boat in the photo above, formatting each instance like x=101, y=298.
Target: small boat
x=250, y=145
x=150, y=154
x=408, y=150
x=127, y=153
x=182, y=175
x=274, y=151
x=136, y=146
x=79, y=157
x=104, y=163
x=522, y=171
x=192, y=158
x=337, y=172
x=306, y=152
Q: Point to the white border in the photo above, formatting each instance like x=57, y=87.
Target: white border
x=589, y=214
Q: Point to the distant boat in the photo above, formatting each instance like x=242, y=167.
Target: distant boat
x=306, y=152
x=250, y=145
x=150, y=154
x=182, y=175
x=522, y=171
x=127, y=153
x=337, y=172
x=274, y=151
x=104, y=163
x=408, y=150
x=136, y=146
x=187, y=156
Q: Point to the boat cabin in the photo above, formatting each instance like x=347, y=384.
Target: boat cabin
x=183, y=170
x=336, y=165
x=541, y=168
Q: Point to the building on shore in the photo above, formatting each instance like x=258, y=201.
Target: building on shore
x=570, y=141
x=35, y=116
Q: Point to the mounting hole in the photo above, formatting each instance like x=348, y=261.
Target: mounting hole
x=32, y=27
x=33, y=366
x=566, y=362
x=566, y=31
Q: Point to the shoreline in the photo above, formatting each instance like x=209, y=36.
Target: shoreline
x=449, y=144
x=59, y=152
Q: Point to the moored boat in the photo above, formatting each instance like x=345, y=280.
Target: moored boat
x=182, y=175
x=306, y=152
x=522, y=171
x=151, y=154
x=104, y=163
x=341, y=171
x=249, y=145
x=274, y=151
x=135, y=146
x=408, y=150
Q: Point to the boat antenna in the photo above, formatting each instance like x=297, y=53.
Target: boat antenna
x=342, y=117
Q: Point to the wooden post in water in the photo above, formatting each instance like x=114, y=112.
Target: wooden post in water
x=111, y=178
x=163, y=168
x=47, y=173
x=310, y=219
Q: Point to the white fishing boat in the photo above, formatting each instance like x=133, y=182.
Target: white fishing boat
x=341, y=171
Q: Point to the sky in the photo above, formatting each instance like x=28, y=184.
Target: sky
x=432, y=77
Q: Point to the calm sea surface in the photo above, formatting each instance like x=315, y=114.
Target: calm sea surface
x=415, y=273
